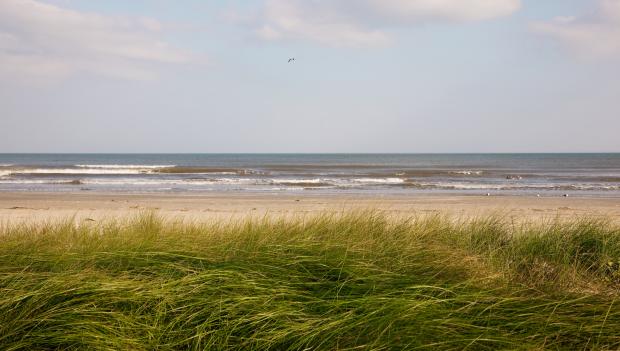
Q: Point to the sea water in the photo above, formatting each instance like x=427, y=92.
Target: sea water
x=511, y=174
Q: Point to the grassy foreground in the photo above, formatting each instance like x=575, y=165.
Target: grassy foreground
x=351, y=281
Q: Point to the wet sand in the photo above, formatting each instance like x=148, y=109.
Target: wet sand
x=20, y=207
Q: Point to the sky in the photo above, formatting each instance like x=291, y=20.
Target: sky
x=406, y=76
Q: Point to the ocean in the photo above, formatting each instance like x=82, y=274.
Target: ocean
x=475, y=174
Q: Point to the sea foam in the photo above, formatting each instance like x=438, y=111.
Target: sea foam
x=92, y=169
x=125, y=166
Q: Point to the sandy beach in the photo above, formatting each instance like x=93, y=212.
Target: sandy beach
x=19, y=207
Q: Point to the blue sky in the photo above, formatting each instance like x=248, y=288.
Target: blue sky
x=369, y=76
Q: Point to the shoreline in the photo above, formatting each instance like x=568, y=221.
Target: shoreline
x=40, y=206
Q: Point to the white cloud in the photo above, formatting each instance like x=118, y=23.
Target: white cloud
x=595, y=36
x=42, y=40
x=443, y=10
x=363, y=23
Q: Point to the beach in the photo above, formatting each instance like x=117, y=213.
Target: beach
x=222, y=186
x=42, y=206
x=309, y=175
x=325, y=252
x=341, y=280
x=309, y=251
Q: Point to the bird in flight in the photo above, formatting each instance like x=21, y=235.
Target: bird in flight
x=291, y=59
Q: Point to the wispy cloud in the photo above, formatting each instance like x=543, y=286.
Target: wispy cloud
x=43, y=40
x=365, y=23
x=593, y=36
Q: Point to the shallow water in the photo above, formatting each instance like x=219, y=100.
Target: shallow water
x=545, y=174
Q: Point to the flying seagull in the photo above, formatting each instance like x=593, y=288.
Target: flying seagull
x=291, y=59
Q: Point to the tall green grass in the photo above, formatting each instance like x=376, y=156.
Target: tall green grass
x=333, y=282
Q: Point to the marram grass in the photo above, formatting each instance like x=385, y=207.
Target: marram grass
x=357, y=281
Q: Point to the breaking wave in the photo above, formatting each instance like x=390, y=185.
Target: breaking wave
x=467, y=172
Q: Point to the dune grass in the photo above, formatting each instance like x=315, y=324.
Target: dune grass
x=356, y=281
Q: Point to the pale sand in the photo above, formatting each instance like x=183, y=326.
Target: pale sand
x=20, y=207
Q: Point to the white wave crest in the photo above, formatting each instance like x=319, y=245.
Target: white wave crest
x=299, y=181
x=467, y=172
x=378, y=180
x=92, y=169
x=125, y=166
x=79, y=171
x=542, y=187
x=147, y=182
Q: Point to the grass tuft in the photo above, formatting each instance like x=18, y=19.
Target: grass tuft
x=332, y=282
